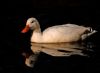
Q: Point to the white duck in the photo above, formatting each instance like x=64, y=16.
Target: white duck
x=58, y=33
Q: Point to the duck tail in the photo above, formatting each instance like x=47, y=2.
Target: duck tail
x=91, y=31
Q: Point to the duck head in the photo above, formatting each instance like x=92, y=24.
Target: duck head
x=31, y=23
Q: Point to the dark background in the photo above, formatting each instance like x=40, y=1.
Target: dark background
x=13, y=17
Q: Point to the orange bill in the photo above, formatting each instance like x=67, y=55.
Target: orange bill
x=26, y=29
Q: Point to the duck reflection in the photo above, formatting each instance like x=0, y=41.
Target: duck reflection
x=57, y=50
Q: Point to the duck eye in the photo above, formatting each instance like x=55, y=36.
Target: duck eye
x=32, y=21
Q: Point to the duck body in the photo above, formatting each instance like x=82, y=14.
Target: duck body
x=59, y=33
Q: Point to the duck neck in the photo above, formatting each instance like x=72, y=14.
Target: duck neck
x=36, y=35
x=37, y=29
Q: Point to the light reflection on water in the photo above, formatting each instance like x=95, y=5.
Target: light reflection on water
x=61, y=49
x=58, y=50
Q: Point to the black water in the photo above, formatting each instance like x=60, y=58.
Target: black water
x=13, y=43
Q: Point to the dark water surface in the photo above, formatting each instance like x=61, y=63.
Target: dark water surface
x=13, y=43
x=12, y=60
